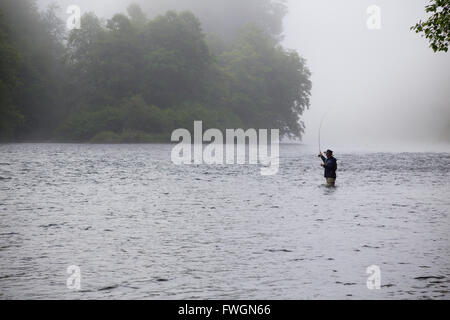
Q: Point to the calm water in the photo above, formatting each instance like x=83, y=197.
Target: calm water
x=142, y=228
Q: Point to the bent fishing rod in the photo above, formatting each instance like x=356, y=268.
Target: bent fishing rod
x=320, y=129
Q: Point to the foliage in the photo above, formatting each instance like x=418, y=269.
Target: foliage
x=225, y=18
x=32, y=84
x=437, y=28
x=269, y=86
x=10, y=117
x=132, y=79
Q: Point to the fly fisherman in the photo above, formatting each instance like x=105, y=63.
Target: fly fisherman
x=330, y=165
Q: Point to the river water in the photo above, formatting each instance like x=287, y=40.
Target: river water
x=139, y=227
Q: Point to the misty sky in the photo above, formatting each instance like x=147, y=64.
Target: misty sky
x=378, y=87
x=382, y=86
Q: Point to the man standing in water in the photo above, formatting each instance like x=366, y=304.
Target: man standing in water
x=330, y=165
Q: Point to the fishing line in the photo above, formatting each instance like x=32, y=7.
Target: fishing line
x=320, y=129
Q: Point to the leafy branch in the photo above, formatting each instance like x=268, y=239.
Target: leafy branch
x=437, y=28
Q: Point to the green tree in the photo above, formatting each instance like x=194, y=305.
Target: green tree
x=225, y=18
x=133, y=79
x=165, y=61
x=437, y=28
x=10, y=116
x=137, y=16
x=176, y=59
x=270, y=87
x=39, y=92
x=83, y=58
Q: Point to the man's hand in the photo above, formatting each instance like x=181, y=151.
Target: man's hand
x=320, y=155
x=322, y=165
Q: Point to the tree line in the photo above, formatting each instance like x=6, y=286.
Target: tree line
x=135, y=79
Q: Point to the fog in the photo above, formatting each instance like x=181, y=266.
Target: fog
x=380, y=87
x=376, y=87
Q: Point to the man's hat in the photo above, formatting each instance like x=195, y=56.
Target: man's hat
x=329, y=151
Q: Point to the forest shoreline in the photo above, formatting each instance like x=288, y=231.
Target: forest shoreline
x=135, y=79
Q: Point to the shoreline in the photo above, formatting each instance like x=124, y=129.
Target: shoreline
x=437, y=148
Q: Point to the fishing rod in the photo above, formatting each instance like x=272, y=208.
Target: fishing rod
x=320, y=129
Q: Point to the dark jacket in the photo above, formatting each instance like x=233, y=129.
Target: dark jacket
x=330, y=167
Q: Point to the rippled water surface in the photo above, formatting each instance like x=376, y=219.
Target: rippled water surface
x=140, y=227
